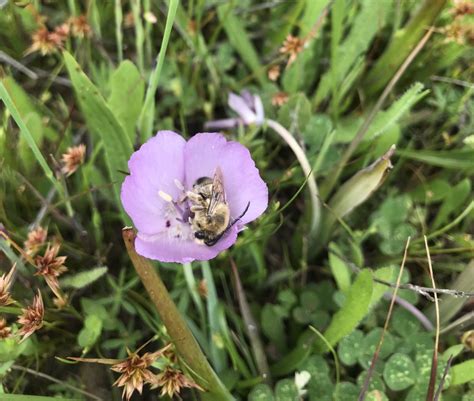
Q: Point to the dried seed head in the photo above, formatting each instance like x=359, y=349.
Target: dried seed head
x=80, y=28
x=279, y=99
x=61, y=301
x=292, y=46
x=172, y=381
x=134, y=370
x=31, y=318
x=45, y=42
x=5, y=284
x=150, y=17
x=5, y=331
x=62, y=31
x=73, y=158
x=202, y=288
x=128, y=20
x=36, y=238
x=462, y=7
x=468, y=340
x=51, y=266
x=461, y=33
x=274, y=72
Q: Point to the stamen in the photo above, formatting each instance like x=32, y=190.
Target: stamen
x=178, y=184
x=166, y=197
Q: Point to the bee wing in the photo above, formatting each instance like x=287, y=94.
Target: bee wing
x=218, y=194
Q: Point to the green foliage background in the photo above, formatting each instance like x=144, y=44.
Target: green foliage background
x=170, y=64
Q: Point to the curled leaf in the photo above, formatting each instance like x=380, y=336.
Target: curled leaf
x=359, y=188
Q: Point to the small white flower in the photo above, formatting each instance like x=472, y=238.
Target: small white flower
x=301, y=380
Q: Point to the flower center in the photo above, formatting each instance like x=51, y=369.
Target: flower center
x=176, y=213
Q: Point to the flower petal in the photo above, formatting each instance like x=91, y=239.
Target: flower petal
x=153, y=170
x=259, y=112
x=242, y=183
x=162, y=247
x=238, y=104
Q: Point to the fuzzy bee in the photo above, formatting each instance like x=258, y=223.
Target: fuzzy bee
x=210, y=214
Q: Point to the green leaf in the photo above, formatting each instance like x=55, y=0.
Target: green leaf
x=261, y=392
x=239, y=39
x=399, y=372
x=354, y=310
x=32, y=118
x=27, y=135
x=350, y=347
x=431, y=191
x=296, y=357
x=91, y=331
x=295, y=113
x=316, y=131
x=148, y=110
x=18, y=397
x=462, y=373
x=320, y=386
x=356, y=43
x=346, y=391
x=370, y=343
x=273, y=326
x=286, y=390
x=456, y=197
x=311, y=14
x=299, y=75
x=384, y=273
x=127, y=89
x=384, y=120
x=83, y=279
x=376, y=395
x=453, y=351
x=375, y=383
x=339, y=269
x=102, y=123
x=449, y=159
x=405, y=324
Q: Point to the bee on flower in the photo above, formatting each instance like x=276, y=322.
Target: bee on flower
x=207, y=190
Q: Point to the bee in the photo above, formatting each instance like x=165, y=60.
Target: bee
x=210, y=214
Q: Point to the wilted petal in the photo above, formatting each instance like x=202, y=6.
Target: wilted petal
x=260, y=116
x=243, y=185
x=242, y=108
x=225, y=123
x=153, y=170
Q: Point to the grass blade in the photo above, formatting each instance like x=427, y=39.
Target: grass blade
x=434, y=363
x=145, y=122
x=370, y=371
x=251, y=326
x=25, y=132
x=355, y=308
x=239, y=39
x=102, y=123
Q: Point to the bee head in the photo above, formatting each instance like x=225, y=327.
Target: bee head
x=200, y=234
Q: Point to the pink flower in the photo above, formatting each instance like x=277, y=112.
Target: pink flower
x=162, y=199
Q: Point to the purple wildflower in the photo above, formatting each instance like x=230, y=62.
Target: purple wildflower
x=248, y=107
x=155, y=194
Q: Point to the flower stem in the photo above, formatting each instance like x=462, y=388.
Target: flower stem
x=186, y=345
x=303, y=160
